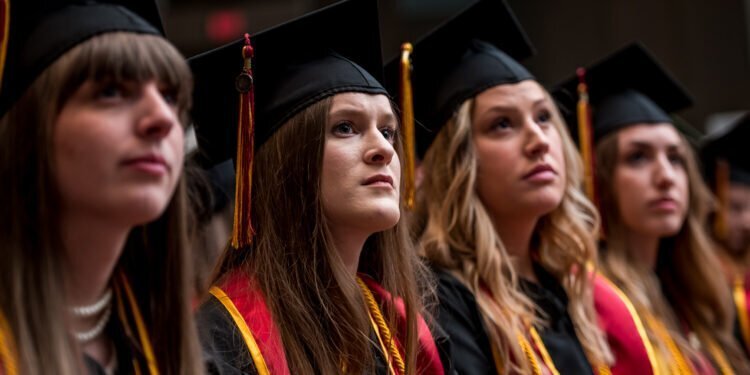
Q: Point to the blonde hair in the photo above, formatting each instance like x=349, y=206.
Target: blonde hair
x=156, y=257
x=683, y=285
x=457, y=234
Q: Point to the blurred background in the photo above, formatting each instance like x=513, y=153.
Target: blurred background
x=704, y=43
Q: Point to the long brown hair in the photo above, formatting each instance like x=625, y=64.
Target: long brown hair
x=684, y=286
x=156, y=257
x=457, y=234
x=315, y=302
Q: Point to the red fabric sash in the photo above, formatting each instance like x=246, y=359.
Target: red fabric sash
x=428, y=358
x=251, y=303
x=615, y=319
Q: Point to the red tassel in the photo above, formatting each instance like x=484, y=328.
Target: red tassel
x=242, y=231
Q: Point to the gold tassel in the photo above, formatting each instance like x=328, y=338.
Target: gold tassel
x=721, y=220
x=585, y=138
x=242, y=230
x=407, y=124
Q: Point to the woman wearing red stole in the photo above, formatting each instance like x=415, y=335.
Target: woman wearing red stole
x=320, y=277
x=727, y=170
x=94, y=277
x=664, y=309
x=500, y=214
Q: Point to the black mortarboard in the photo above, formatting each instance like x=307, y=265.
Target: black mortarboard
x=730, y=145
x=626, y=88
x=282, y=71
x=332, y=50
x=39, y=31
x=472, y=52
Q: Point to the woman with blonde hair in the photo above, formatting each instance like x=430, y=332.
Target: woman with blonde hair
x=96, y=263
x=320, y=277
x=654, y=205
x=499, y=213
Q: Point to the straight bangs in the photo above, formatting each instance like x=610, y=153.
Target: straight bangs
x=127, y=56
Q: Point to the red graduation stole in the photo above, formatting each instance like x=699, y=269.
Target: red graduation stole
x=428, y=358
x=625, y=331
x=246, y=304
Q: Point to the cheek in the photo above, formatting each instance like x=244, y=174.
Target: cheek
x=337, y=164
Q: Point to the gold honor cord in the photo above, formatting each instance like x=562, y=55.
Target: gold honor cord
x=719, y=358
x=247, y=335
x=740, y=301
x=143, y=336
x=387, y=342
x=679, y=365
x=8, y=357
x=5, y=29
x=407, y=125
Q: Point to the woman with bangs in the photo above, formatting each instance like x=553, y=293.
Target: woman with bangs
x=95, y=270
x=499, y=213
x=320, y=276
x=656, y=255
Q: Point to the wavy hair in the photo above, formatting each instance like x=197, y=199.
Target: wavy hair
x=457, y=234
x=156, y=258
x=314, y=300
x=684, y=286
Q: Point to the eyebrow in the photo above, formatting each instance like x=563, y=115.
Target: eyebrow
x=647, y=144
x=353, y=112
x=512, y=108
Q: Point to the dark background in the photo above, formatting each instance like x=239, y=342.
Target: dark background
x=705, y=44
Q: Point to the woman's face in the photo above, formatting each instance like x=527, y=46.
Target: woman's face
x=361, y=170
x=650, y=179
x=738, y=239
x=118, y=151
x=521, y=167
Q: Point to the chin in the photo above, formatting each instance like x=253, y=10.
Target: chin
x=144, y=209
x=383, y=216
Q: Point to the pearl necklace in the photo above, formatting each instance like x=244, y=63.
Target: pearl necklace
x=104, y=307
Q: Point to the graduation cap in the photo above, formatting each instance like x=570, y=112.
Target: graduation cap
x=36, y=32
x=470, y=53
x=725, y=160
x=277, y=73
x=626, y=88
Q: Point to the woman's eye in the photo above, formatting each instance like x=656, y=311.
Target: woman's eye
x=388, y=133
x=543, y=117
x=169, y=95
x=676, y=159
x=343, y=128
x=635, y=157
x=110, y=91
x=501, y=124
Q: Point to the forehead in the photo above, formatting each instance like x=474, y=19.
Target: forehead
x=360, y=102
x=510, y=95
x=660, y=135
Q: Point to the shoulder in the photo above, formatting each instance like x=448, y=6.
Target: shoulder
x=621, y=323
x=224, y=348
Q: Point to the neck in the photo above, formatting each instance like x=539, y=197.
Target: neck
x=349, y=245
x=92, y=247
x=515, y=234
x=646, y=248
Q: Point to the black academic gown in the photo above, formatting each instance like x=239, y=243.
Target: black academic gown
x=125, y=348
x=559, y=336
x=224, y=349
x=471, y=353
